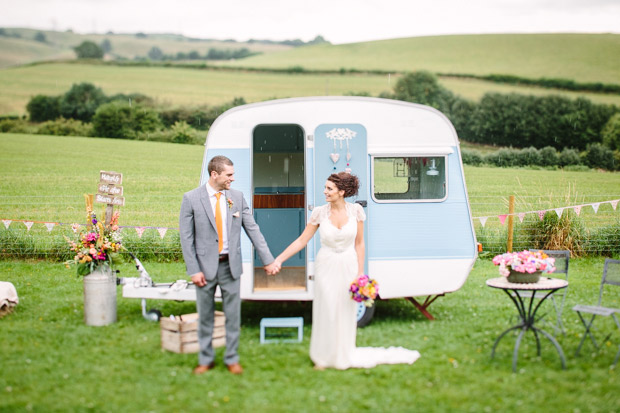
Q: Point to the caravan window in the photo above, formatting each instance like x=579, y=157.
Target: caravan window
x=410, y=178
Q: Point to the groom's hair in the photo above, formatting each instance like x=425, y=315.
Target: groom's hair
x=217, y=164
x=346, y=182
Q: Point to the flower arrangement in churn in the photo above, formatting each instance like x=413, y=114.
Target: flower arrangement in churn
x=524, y=261
x=97, y=245
x=364, y=290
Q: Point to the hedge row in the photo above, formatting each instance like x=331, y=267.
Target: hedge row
x=595, y=156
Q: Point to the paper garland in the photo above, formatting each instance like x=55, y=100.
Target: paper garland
x=559, y=211
x=483, y=220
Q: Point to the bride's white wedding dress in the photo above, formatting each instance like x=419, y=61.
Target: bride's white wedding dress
x=334, y=321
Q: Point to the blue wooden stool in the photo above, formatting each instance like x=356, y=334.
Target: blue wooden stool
x=284, y=322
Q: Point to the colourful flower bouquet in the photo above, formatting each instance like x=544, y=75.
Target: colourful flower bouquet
x=96, y=246
x=364, y=290
x=524, y=261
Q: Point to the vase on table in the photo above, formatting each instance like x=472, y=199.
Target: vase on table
x=524, y=277
x=100, y=297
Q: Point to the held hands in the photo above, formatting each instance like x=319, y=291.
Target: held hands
x=273, y=268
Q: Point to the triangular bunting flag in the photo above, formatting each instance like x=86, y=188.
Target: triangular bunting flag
x=541, y=214
x=521, y=216
x=595, y=207
x=559, y=212
x=75, y=228
x=140, y=231
x=502, y=218
x=7, y=222
x=483, y=220
x=49, y=226
x=28, y=224
x=614, y=204
x=577, y=209
x=162, y=232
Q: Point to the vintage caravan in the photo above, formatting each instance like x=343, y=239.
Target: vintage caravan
x=420, y=240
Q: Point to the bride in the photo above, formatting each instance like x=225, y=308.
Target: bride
x=338, y=262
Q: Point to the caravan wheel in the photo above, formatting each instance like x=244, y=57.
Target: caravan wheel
x=364, y=315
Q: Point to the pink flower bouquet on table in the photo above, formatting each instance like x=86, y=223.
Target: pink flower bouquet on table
x=524, y=261
x=364, y=290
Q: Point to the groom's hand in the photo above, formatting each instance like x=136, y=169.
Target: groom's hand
x=272, y=269
x=199, y=279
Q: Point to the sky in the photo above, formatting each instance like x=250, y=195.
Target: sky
x=338, y=21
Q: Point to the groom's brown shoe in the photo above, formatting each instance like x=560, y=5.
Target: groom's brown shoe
x=235, y=368
x=200, y=369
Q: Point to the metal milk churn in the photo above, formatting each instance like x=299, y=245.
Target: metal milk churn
x=100, y=297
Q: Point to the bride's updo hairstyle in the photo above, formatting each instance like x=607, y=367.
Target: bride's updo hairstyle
x=346, y=182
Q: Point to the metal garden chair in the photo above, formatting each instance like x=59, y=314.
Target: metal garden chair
x=611, y=276
x=562, y=258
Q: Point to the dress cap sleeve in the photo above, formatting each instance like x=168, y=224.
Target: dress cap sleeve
x=359, y=213
x=317, y=215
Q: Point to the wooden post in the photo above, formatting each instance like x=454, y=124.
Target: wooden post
x=511, y=210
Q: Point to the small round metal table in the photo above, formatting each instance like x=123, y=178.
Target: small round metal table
x=527, y=311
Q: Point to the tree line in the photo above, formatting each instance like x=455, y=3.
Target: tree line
x=546, y=131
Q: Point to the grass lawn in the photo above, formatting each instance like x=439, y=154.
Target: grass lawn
x=51, y=361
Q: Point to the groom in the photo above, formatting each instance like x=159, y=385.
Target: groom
x=210, y=227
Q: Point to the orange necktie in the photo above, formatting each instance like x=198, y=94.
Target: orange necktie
x=218, y=223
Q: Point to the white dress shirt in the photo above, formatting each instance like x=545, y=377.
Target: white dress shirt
x=223, y=207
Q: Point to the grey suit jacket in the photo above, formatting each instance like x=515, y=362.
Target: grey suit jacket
x=199, y=239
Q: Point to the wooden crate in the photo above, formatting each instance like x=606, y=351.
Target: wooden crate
x=181, y=334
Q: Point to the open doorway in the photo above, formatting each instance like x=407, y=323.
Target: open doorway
x=279, y=201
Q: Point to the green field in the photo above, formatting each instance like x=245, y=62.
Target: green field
x=175, y=86
x=53, y=362
x=45, y=178
x=580, y=57
x=193, y=87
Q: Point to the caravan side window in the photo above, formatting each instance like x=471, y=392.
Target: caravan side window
x=410, y=178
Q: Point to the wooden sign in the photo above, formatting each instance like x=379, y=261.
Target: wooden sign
x=113, y=178
x=110, y=189
x=110, y=200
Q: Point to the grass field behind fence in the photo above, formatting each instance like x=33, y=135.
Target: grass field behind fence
x=45, y=177
x=51, y=361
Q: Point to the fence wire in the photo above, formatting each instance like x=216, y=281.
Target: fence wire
x=35, y=227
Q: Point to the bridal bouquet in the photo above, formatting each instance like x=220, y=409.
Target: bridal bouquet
x=364, y=290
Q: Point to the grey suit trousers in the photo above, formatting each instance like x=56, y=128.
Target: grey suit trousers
x=231, y=303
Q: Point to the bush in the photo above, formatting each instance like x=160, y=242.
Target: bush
x=505, y=157
x=471, y=157
x=529, y=156
x=549, y=156
x=16, y=126
x=183, y=133
x=423, y=87
x=119, y=120
x=88, y=50
x=599, y=156
x=65, y=127
x=42, y=108
x=81, y=102
x=611, y=132
x=552, y=233
x=569, y=157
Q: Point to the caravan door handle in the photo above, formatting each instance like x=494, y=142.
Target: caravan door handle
x=362, y=203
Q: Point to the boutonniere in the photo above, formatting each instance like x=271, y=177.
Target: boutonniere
x=230, y=203
x=236, y=214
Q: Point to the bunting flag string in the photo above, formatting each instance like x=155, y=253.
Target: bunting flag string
x=559, y=211
x=163, y=230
